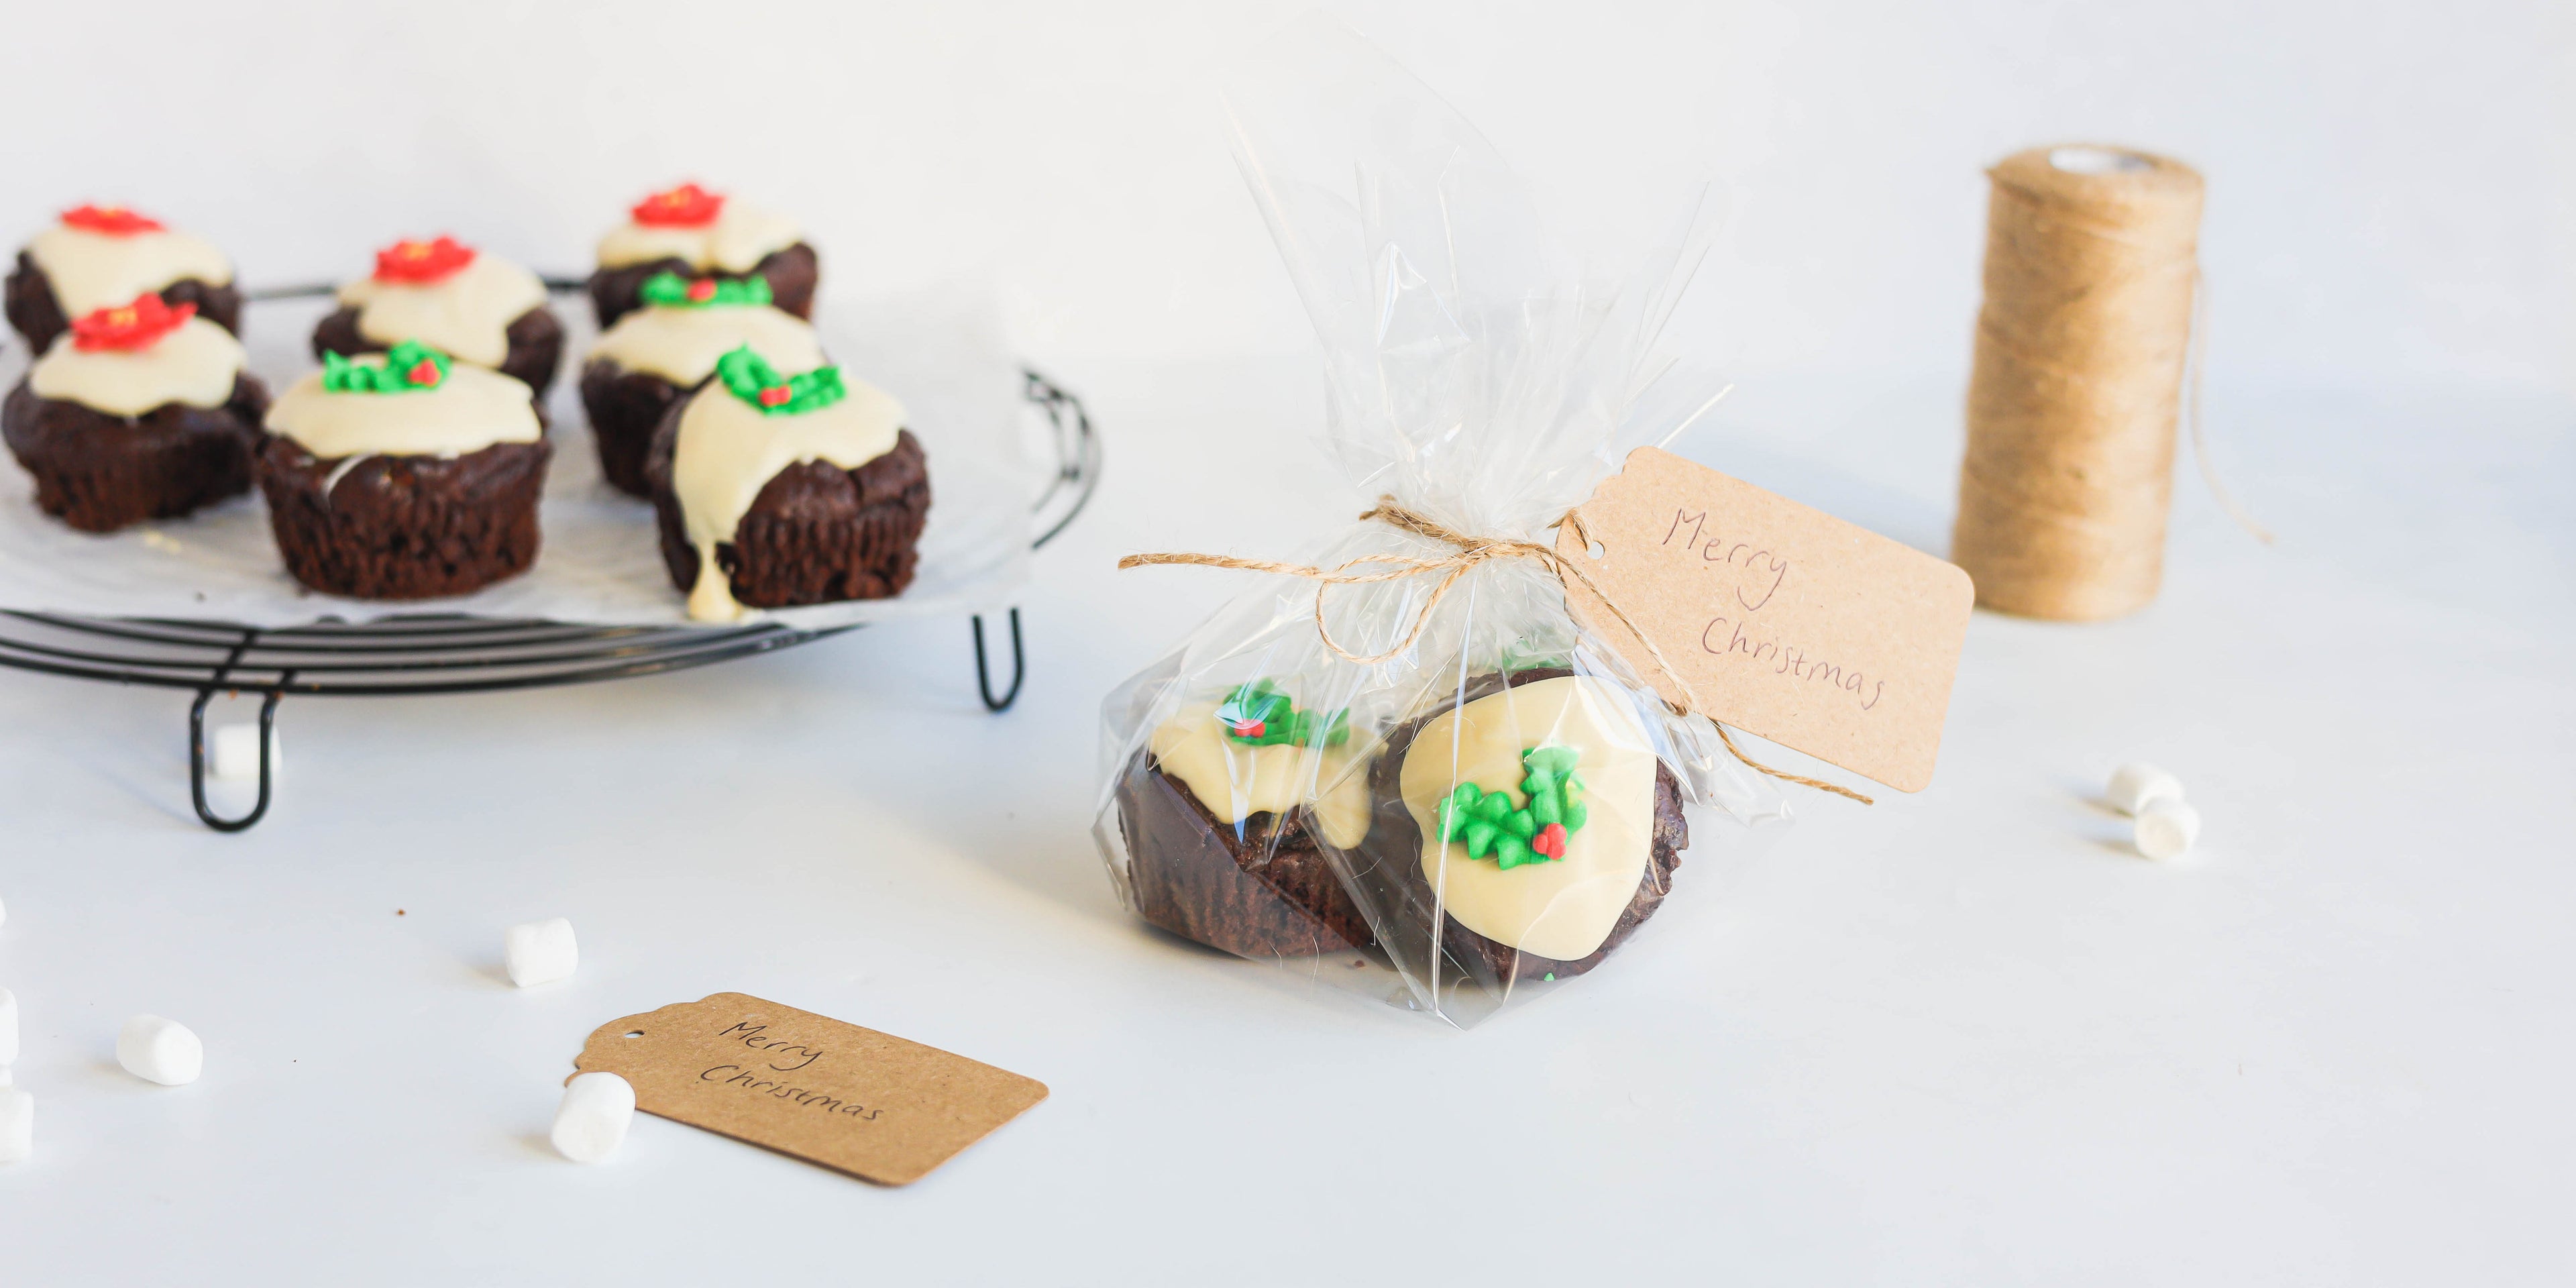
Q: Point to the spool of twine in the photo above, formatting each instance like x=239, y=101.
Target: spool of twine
x=2081, y=347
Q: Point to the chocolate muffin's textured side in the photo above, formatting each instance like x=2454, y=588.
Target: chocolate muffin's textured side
x=99, y=472
x=1395, y=847
x=1258, y=888
x=536, y=344
x=38, y=316
x=792, y=273
x=404, y=527
x=625, y=408
x=816, y=534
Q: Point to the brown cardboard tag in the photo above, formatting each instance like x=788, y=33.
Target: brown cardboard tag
x=875, y=1106
x=1786, y=621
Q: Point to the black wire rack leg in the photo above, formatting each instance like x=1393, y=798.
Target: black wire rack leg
x=984, y=672
x=197, y=762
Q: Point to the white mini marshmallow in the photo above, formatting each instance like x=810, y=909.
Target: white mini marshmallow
x=591, y=1121
x=159, y=1050
x=540, y=952
x=8, y=1029
x=2133, y=786
x=236, y=752
x=17, y=1124
x=2166, y=829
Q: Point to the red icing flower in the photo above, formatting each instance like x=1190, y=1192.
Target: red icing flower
x=1550, y=841
x=424, y=374
x=127, y=327
x=422, y=262
x=775, y=395
x=686, y=206
x=702, y=290
x=115, y=221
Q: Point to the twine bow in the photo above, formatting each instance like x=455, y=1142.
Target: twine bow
x=1472, y=551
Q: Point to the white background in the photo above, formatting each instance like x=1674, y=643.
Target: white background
x=1963, y=1037
x=2393, y=185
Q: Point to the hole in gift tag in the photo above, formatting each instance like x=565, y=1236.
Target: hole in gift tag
x=636, y=1034
x=1597, y=550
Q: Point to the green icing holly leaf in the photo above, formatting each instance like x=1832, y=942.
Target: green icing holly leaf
x=407, y=367
x=1259, y=715
x=670, y=290
x=1490, y=826
x=750, y=378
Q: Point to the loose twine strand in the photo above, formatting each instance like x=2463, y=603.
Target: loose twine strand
x=2199, y=422
x=1472, y=551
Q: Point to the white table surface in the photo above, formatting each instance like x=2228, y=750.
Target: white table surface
x=1965, y=1037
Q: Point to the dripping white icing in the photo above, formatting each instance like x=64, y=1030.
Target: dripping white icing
x=739, y=237
x=194, y=364
x=470, y=410
x=93, y=270
x=466, y=314
x=1236, y=781
x=1562, y=909
x=681, y=345
x=728, y=450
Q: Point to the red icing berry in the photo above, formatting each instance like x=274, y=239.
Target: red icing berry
x=775, y=395
x=115, y=221
x=1550, y=841
x=703, y=289
x=686, y=206
x=1250, y=728
x=127, y=327
x=421, y=262
x=423, y=373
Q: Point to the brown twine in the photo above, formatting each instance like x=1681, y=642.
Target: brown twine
x=1471, y=552
x=2082, y=345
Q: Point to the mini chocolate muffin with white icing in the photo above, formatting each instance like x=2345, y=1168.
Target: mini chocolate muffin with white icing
x=101, y=257
x=1221, y=812
x=658, y=354
x=141, y=412
x=1531, y=817
x=467, y=303
x=775, y=490
x=404, y=475
x=696, y=233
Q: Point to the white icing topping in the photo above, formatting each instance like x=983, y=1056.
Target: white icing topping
x=1236, y=781
x=1565, y=908
x=195, y=364
x=728, y=450
x=93, y=270
x=681, y=345
x=470, y=410
x=737, y=239
x=466, y=314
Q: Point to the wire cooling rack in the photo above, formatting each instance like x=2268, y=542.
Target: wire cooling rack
x=431, y=655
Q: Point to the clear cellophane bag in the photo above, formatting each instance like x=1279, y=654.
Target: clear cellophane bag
x=1438, y=786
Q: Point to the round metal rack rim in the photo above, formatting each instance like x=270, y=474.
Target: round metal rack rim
x=434, y=654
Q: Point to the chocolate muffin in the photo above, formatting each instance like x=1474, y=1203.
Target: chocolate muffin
x=656, y=355
x=404, y=475
x=693, y=232
x=1564, y=827
x=101, y=257
x=1221, y=811
x=465, y=303
x=774, y=490
x=141, y=412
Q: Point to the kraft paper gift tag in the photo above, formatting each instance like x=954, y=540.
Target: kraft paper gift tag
x=853, y=1099
x=1787, y=622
